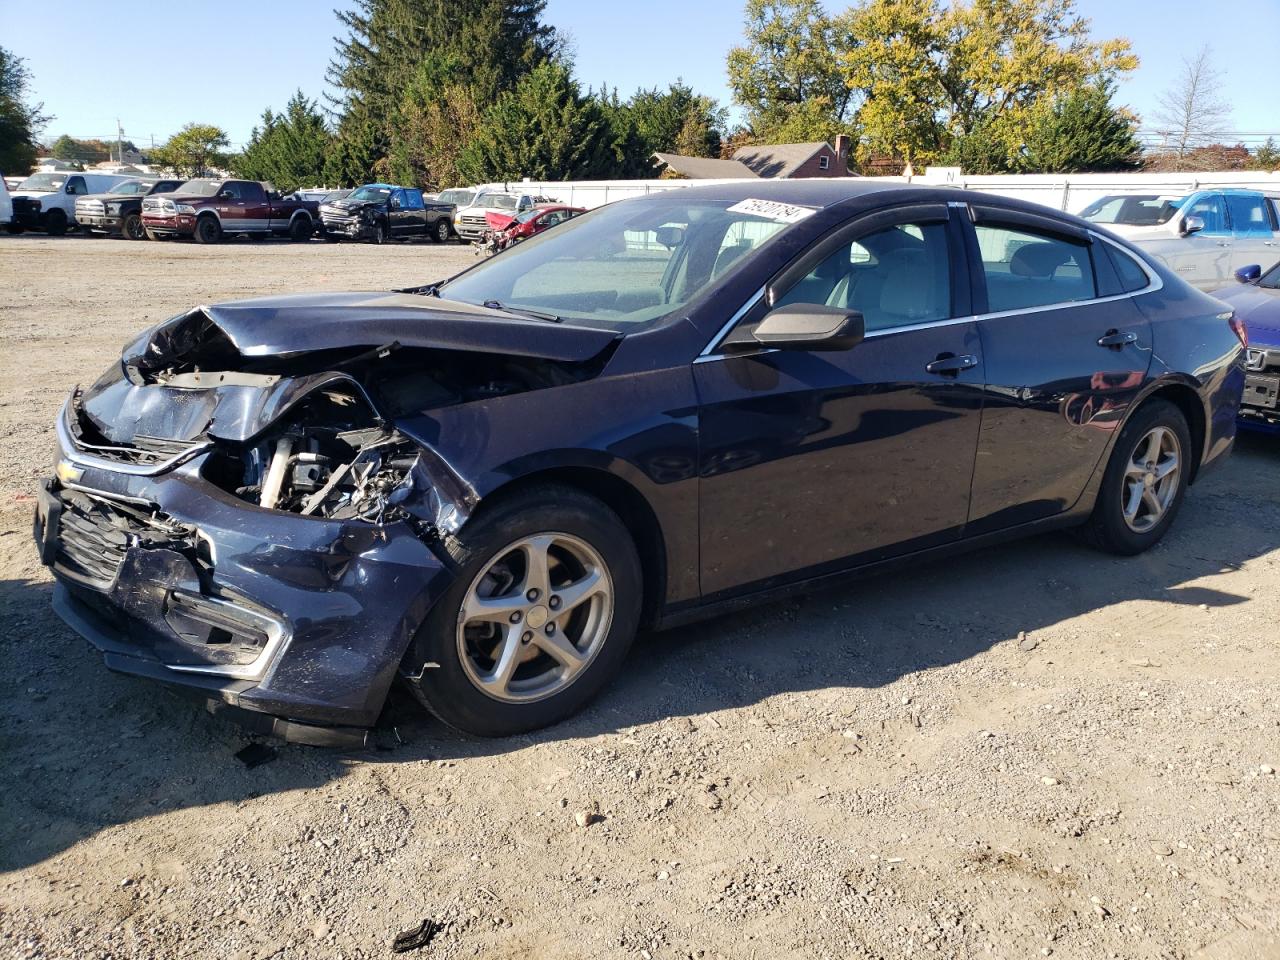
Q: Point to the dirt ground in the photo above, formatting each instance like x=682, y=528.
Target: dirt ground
x=1034, y=750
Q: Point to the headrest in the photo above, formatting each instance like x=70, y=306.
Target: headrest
x=1039, y=260
x=906, y=286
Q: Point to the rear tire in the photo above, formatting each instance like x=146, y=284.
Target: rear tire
x=1145, y=481
x=208, y=230
x=300, y=230
x=14, y=228
x=452, y=655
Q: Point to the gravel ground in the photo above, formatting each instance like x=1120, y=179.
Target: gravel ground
x=1035, y=750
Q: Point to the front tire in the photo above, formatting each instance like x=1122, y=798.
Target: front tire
x=441, y=232
x=131, y=227
x=540, y=617
x=56, y=223
x=208, y=230
x=380, y=233
x=1145, y=481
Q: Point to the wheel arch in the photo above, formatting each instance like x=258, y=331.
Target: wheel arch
x=624, y=499
x=1186, y=398
x=301, y=213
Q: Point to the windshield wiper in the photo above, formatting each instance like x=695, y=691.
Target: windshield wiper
x=426, y=290
x=523, y=311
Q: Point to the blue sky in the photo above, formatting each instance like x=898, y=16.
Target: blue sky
x=252, y=55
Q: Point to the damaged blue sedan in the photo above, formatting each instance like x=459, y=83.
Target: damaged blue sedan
x=670, y=406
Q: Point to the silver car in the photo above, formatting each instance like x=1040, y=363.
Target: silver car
x=1204, y=237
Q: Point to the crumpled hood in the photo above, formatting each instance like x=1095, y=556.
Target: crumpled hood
x=1258, y=307
x=291, y=325
x=211, y=372
x=346, y=206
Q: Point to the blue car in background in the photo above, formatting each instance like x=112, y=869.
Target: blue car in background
x=1257, y=302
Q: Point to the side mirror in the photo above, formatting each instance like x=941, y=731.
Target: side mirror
x=1192, y=225
x=810, y=326
x=68, y=189
x=226, y=195
x=394, y=203
x=1249, y=274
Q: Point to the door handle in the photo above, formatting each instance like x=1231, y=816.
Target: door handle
x=948, y=364
x=1224, y=243
x=1116, y=339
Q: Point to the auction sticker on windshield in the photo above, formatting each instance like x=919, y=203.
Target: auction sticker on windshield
x=772, y=210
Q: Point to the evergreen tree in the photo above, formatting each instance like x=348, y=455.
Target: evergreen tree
x=289, y=149
x=545, y=129
x=19, y=121
x=1083, y=133
x=480, y=47
x=358, y=148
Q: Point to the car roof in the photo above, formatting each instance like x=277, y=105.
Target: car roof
x=824, y=192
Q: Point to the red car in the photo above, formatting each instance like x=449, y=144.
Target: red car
x=505, y=230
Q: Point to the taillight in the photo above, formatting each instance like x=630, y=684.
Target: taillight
x=1239, y=329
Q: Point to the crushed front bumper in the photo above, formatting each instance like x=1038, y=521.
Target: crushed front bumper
x=294, y=617
x=352, y=227
x=178, y=225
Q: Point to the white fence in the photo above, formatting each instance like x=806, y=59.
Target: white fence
x=1071, y=192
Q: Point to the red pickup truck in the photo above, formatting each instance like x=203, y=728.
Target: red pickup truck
x=211, y=209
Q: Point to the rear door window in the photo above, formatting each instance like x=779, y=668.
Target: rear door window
x=1248, y=213
x=1024, y=269
x=1132, y=276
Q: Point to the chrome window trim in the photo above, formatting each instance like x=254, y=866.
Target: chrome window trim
x=1154, y=285
x=733, y=321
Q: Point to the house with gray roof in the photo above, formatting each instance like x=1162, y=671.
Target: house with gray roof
x=770, y=161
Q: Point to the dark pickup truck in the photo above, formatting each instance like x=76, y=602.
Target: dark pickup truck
x=119, y=210
x=382, y=212
x=208, y=210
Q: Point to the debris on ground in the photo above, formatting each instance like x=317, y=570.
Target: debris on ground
x=416, y=938
x=256, y=754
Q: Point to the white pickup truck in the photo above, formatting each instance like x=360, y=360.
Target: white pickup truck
x=1204, y=237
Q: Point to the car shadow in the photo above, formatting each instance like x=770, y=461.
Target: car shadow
x=85, y=749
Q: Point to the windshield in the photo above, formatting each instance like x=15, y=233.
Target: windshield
x=623, y=264
x=200, y=188
x=529, y=215
x=43, y=183
x=130, y=188
x=1135, y=211
x=461, y=198
x=498, y=201
x=371, y=193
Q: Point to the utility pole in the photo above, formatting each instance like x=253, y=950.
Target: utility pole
x=119, y=142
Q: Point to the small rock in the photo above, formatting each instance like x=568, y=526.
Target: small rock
x=664, y=875
x=1026, y=643
x=1267, y=769
x=585, y=818
x=127, y=881
x=1161, y=849
x=320, y=929
x=1049, y=781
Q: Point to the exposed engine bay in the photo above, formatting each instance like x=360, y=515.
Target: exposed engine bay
x=312, y=432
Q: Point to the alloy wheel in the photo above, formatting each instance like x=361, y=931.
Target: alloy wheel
x=1151, y=479
x=535, y=617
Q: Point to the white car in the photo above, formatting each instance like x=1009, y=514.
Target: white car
x=6, y=205
x=47, y=201
x=469, y=222
x=1204, y=238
